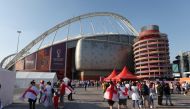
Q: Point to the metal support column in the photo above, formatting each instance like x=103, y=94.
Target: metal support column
x=65, y=73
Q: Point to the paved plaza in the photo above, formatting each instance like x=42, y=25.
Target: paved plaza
x=93, y=99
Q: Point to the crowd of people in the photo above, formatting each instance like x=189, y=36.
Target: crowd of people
x=50, y=95
x=141, y=93
x=85, y=84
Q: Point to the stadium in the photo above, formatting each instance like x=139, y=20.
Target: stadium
x=85, y=47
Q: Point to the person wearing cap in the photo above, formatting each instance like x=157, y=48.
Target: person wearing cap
x=31, y=93
x=42, y=87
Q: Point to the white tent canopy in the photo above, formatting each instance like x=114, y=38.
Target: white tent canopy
x=7, y=81
x=23, y=79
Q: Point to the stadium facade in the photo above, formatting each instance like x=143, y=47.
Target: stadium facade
x=91, y=56
x=87, y=58
x=84, y=56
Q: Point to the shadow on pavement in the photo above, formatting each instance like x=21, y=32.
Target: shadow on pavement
x=186, y=106
x=74, y=105
x=178, y=107
x=22, y=106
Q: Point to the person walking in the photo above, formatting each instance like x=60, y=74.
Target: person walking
x=70, y=97
x=145, y=95
x=42, y=87
x=85, y=85
x=123, y=95
x=56, y=99
x=167, y=94
x=152, y=94
x=135, y=95
x=111, y=95
x=171, y=87
x=56, y=95
x=178, y=88
x=159, y=93
x=97, y=84
x=62, y=92
x=31, y=93
x=105, y=85
x=186, y=88
x=48, y=92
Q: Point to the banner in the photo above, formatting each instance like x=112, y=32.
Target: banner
x=20, y=65
x=30, y=62
x=58, y=56
x=43, y=59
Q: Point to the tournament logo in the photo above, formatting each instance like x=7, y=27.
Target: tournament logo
x=58, y=53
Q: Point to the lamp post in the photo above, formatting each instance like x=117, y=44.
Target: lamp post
x=19, y=32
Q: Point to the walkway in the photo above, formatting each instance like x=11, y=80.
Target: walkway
x=92, y=99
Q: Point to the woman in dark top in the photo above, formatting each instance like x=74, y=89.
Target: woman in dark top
x=167, y=94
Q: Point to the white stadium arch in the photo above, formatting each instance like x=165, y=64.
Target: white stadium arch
x=124, y=20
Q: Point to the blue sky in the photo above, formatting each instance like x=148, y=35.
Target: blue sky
x=33, y=17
